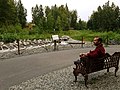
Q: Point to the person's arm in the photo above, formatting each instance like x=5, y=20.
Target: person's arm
x=93, y=54
x=83, y=54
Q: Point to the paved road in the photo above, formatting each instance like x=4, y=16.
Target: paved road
x=16, y=70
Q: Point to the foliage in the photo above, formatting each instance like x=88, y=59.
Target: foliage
x=56, y=18
x=21, y=13
x=12, y=13
x=8, y=12
x=8, y=37
x=105, y=18
x=88, y=35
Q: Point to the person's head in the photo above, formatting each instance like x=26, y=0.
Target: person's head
x=97, y=41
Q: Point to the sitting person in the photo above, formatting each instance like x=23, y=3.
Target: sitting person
x=91, y=56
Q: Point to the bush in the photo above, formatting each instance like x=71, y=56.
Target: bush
x=7, y=37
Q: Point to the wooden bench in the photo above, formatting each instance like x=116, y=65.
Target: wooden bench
x=106, y=62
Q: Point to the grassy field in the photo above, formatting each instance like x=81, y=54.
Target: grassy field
x=87, y=35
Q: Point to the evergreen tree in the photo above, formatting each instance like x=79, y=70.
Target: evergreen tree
x=38, y=17
x=105, y=18
x=21, y=13
x=54, y=18
x=73, y=19
x=8, y=12
x=50, y=22
x=35, y=11
x=81, y=25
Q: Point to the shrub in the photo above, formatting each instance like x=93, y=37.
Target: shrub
x=7, y=37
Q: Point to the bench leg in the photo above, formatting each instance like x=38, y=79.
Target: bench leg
x=86, y=78
x=116, y=69
x=75, y=79
x=107, y=69
x=75, y=72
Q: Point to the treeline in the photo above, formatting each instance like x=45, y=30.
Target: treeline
x=12, y=13
x=56, y=18
x=106, y=18
x=51, y=19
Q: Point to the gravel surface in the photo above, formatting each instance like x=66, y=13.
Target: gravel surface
x=63, y=80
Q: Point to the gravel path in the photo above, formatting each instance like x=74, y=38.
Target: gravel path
x=63, y=80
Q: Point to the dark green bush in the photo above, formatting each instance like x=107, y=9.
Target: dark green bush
x=7, y=37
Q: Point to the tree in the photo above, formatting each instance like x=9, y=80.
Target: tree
x=8, y=12
x=58, y=24
x=21, y=13
x=35, y=11
x=38, y=17
x=54, y=18
x=73, y=19
x=50, y=22
x=105, y=18
x=81, y=25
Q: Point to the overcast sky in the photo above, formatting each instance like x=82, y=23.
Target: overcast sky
x=84, y=7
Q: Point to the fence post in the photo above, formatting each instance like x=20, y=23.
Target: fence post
x=55, y=45
x=18, y=46
x=82, y=42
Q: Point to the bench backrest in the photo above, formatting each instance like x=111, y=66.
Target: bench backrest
x=107, y=61
x=112, y=61
x=99, y=63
